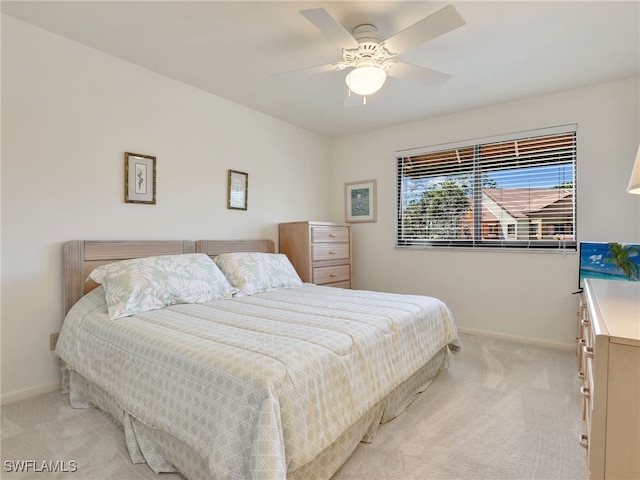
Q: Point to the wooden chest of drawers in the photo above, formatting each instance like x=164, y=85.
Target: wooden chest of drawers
x=319, y=251
x=609, y=362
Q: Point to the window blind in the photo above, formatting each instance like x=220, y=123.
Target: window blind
x=518, y=191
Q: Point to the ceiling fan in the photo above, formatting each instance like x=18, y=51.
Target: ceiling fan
x=371, y=57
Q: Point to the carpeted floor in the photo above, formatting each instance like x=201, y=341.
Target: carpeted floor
x=503, y=410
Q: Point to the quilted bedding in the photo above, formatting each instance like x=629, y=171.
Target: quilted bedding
x=259, y=385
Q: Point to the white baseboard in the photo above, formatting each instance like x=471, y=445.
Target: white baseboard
x=516, y=338
x=28, y=393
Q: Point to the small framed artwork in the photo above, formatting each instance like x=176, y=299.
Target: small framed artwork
x=238, y=186
x=139, y=178
x=360, y=201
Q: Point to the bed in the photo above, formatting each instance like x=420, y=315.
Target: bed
x=273, y=378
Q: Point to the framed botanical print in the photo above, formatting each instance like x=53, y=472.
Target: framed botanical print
x=238, y=188
x=139, y=178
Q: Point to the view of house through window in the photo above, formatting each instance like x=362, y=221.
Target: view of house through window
x=512, y=191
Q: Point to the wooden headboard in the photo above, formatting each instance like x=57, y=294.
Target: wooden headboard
x=216, y=247
x=80, y=257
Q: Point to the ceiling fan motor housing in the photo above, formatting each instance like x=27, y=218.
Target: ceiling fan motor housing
x=371, y=52
x=367, y=33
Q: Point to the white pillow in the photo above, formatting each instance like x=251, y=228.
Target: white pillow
x=253, y=272
x=149, y=283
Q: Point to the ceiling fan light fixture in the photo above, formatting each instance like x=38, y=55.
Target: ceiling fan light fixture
x=366, y=80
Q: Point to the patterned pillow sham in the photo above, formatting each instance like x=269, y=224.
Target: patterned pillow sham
x=149, y=283
x=254, y=272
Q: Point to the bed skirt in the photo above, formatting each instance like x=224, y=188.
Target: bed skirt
x=164, y=453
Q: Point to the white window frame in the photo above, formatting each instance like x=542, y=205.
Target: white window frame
x=566, y=157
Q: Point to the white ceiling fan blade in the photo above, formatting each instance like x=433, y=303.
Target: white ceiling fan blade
x=436, y=24
x=330, y=27
x=304, y=72
x=414, y=73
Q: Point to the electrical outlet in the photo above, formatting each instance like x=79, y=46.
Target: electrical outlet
x=53, y=341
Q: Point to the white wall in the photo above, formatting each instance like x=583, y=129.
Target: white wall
x=517, y=294
x=68, y=115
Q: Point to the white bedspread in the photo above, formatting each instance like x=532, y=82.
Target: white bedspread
x=257, y=385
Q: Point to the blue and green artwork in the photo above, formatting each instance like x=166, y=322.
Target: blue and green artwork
x=360, y=202
x=609, y=261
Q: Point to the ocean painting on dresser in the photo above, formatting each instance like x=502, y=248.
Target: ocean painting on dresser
x=609, y=261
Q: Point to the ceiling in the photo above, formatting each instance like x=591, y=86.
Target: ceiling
x=505, y=51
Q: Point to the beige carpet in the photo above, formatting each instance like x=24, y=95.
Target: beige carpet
x=503, y=410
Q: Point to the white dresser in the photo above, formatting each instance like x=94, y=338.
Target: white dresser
x=609, y=357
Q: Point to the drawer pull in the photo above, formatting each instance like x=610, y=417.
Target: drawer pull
x=332, y=235
x=588, y=351
x=332, y=275
x=585, y=392
x=332, y=252
x=584, y=441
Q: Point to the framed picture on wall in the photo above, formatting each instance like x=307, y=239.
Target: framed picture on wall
x=238, y=189
x=360, y=201
x=139, y=178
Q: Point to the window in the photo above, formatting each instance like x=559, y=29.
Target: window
x=512, y=191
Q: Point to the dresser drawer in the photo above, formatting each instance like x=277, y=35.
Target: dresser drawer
x=338, y=273
x=346, y=284
x=329, y=234
x=329, y=251
x=586, y=389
